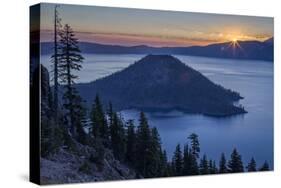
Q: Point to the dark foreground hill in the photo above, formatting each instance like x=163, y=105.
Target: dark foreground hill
x=71, y=161
x=255, y=50
x=162, y=83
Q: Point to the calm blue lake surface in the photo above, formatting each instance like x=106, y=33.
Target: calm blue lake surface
x=251, y=133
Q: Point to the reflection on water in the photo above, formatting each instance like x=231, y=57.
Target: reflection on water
x=251, y=133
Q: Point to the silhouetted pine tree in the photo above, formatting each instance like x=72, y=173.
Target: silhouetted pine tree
x=118, y=138
x=235, y=163
x=222, y=164
x=143, y=145
x=252, y=165
x=190, y=166
x=99, y=123
x=131, y=143
x=212, y=167
x=195, y=146
x=178, y=161
x=215, y=169
x=265, y=167
x=55, y=61
x=186, y=160
x=194, y=170
x=70, y=60
x=155, y=152
x=191, y=156
x=79, y=119
x=164, y=171
x=204, y=165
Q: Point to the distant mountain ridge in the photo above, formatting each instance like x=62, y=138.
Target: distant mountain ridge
x=254, y=50
x=162, y=83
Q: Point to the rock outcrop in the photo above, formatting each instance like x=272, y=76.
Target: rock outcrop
x=66, y=166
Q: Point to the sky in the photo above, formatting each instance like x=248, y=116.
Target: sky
x=130, y=27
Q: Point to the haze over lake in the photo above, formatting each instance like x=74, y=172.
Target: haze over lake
x=251, y=133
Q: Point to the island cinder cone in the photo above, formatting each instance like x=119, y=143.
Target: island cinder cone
x=162, y=83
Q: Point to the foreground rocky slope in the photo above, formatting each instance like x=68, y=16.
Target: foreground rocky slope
x=64, y=159
x=79, y=166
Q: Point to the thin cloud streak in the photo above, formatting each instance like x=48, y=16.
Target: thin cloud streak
x=128, y=39
x=155, y=28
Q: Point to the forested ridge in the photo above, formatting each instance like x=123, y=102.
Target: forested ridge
x=256, y=50
x=81, y=144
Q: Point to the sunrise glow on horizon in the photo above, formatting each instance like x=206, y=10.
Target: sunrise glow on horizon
x=130, y=27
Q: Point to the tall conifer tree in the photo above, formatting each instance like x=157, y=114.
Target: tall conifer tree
x=55, y=61
x=131, y=143
x=204, y=165
x=195, y=146
x=155, y=152
x=186, y=160
x=143, y=145
x=178, y=161
x=235, y=163
x=164, y=171
x=118, y=139
x=265, y=167
x=70, y=60
x=252, y=165
x=99, y=123
x=222, y=164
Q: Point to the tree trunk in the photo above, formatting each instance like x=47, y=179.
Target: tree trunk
x=55, y=67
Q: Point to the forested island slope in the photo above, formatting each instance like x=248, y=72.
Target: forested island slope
x=162, y=83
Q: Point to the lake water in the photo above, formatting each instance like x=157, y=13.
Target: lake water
x=251, y=133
